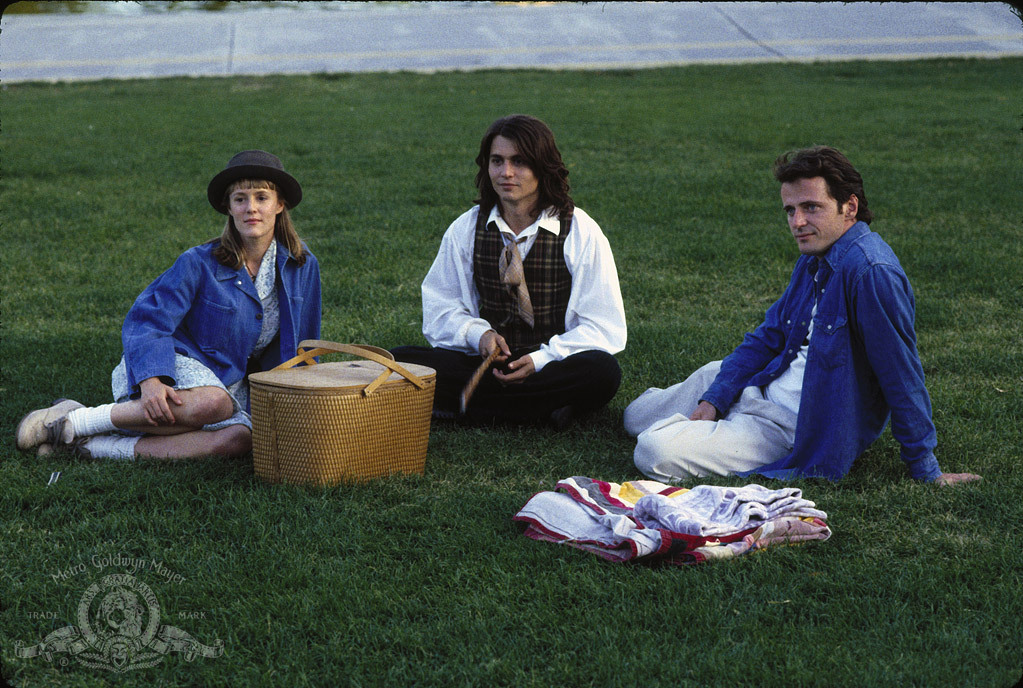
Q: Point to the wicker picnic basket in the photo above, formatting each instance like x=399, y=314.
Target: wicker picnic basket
x=344, y=421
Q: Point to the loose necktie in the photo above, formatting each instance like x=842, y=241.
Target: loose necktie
x=514, y=279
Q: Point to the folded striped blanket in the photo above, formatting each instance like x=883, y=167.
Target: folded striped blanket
x=651, y=522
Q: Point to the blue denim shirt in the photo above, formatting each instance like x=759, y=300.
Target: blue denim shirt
x=862, y=365
x=210, y=312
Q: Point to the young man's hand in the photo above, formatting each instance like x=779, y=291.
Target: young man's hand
x=518, y=370
x=491, y=340
x=705, y=411
x=956, y=478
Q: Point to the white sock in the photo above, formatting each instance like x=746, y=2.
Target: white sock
x=90, y=421
x=117, y=447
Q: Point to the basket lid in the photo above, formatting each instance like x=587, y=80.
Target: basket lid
x=336, y=376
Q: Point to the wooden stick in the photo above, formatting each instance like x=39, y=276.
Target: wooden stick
x=474, y=381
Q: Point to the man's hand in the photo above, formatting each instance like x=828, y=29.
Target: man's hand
x=156, y=400
x=705, y=411
x=955, y=478
x=490, y=341
x=519, y=370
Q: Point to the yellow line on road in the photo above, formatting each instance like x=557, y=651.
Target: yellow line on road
x=523, y=50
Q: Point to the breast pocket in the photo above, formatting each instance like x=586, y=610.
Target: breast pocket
x=830, y=340
x=212, y=326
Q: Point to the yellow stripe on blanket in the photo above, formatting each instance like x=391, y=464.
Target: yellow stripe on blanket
x=631, y=491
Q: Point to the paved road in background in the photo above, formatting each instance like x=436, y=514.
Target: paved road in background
x=359, y=37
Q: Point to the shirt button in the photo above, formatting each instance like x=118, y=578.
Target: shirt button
x=788, y=322
x=239, y=283
x=790, y=350
x=259, y=316
x=829, y=327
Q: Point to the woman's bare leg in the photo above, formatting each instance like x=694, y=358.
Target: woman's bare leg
x=234, y=440
x=201, y=406
x=64, y=423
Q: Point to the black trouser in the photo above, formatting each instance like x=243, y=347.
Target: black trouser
x=585, y=381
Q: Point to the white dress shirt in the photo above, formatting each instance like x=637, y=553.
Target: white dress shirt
x=595, y=318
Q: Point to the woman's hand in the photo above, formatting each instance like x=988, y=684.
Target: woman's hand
x=156, y=400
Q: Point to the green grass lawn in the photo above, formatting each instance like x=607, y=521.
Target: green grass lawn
x=425, y=580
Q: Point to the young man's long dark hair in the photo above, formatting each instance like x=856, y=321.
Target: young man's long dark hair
x=535, y=142
x=823, y=161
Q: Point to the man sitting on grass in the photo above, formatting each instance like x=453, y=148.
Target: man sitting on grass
x=814, y=385
x=526, y=273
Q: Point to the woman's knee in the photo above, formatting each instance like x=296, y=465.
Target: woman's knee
x=210, y=405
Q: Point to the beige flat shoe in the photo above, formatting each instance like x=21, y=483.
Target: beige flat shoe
x=44, y=426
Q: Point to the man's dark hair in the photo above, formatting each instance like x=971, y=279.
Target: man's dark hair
x=535, y=142
x=823, y=161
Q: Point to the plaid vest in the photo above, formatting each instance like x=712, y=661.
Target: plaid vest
x=547, y=278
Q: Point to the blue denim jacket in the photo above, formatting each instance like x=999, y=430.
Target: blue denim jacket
x=210, y=312
x=861, y=367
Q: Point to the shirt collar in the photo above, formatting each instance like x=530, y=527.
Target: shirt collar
x=547, y=220
x=844, y=243
x=225, y=273
x=282, y=250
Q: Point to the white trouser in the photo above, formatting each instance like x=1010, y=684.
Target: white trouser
x=670, y=447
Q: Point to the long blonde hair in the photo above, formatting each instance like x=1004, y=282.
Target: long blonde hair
x=230, y=251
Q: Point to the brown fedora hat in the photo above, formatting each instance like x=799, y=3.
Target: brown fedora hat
x=254, y=164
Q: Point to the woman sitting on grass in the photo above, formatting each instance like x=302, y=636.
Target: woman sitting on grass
x=232, y=306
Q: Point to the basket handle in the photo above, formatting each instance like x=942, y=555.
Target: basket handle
x=318, y=347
